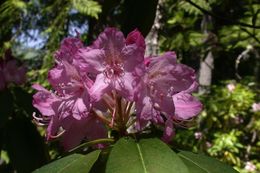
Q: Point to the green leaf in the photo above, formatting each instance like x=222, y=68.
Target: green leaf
x=144, y=156
x=6, y=102
x=88, y=7
x=77, y=163
x=199, y=163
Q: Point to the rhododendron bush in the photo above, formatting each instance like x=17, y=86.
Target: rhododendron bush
x=118, y=108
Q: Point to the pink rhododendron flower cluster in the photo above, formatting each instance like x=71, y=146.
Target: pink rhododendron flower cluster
x=10, y=71
x=110, y=85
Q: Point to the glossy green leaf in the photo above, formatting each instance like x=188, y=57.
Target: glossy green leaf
x=77, y=163
x=144, y=156
x=199, y=163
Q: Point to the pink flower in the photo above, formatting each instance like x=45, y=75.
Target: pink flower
x=231, y=87
x=198, y=135
x=256, y=107
x=14, y=73
x=67, y=111
x=68, y=49
x=99, y=85
x=250, y=167
x=165, y=94
x=116, y=63
x=10, y=72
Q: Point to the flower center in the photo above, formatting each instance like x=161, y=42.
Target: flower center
x=114, y=70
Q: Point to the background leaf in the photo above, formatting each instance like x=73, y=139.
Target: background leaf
x=88, y=7
x=198, y=163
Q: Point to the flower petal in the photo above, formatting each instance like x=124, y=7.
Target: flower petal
x=100, y=87
x=90, y=60
x=110, y=40
x=126, y=86
x=186, y=106
x=135, y=37
x=43, y=100
x=169, y=131
x=68, y=48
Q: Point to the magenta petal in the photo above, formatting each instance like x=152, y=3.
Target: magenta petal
x=186, y=106
x=73, y=135
x=68, y=49
x=126, y=86
x=13, y=73
x=135, y=37
x=168, y=131
x=166, y=105
x=133, y=57
x=168, y=76
x=95, y=129
x=20, y=76
x=100, y=87
x=57, y=78
x=43, y=100
x=89, y=128
x=144, y=111
x=90, y=60
x=79, y=109
x=111, y=40
x=168, y=59
x=53, y=128
x=65, y=79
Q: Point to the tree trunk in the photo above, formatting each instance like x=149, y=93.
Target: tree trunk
x=207, y=64
x=152, y=39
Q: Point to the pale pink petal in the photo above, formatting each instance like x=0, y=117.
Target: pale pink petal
x=100, y=87
x=53, y=128
x=135, y=37
x=126, y=86
x=144, y=111
x=80, y=109
x=90, y=60
x=168, y=77
x=133, y=57
x=65, y=79
x=168, y=131
x=43, y=100
x=166, y=105
x=111, y=40
x=68, y=49
x=186, y=106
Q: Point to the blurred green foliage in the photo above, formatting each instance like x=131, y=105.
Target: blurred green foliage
x=227, y=128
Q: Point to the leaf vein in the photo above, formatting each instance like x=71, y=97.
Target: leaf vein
x=141, y=157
